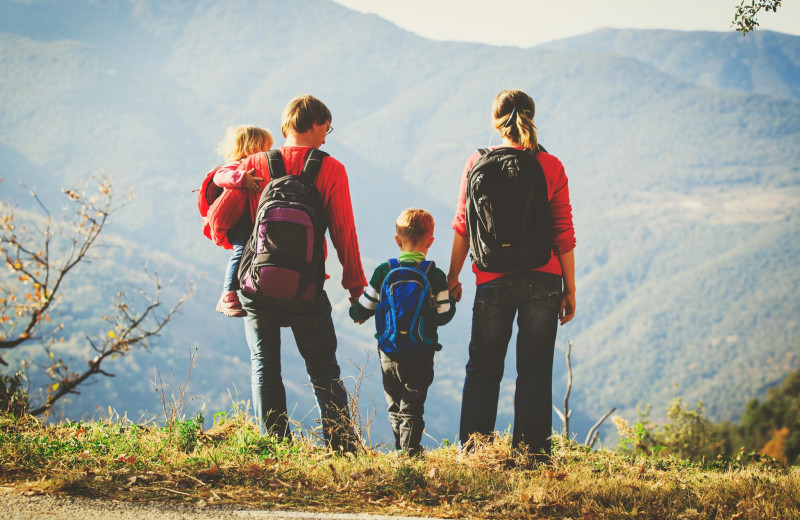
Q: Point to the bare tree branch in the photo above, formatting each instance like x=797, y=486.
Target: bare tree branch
x=594, y=439
x=591, y=437
x=38, y=281
x=560, y=414
x=131, y=332
x=567, y=413
x=23, y=259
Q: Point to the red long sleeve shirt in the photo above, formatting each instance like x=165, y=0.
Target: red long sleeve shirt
x=229, y=207
x=560, y=210
x=229, y=176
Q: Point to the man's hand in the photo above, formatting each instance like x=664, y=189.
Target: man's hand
x=251, y=182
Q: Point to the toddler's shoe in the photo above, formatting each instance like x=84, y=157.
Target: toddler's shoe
x=229, y=305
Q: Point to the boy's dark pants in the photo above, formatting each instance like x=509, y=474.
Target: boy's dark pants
x=405, y=384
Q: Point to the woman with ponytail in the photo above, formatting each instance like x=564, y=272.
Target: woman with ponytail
x=538, y=296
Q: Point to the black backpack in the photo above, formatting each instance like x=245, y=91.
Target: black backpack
x=284, y=257
x=508, y=212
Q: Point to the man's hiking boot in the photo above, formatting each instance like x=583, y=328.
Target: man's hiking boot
x=229, y=305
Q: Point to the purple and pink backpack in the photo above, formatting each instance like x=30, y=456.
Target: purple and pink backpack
x=285, y=256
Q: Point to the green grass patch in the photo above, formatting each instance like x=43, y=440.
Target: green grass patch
x=232, y=463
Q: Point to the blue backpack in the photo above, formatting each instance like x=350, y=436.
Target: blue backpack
x=406, y=306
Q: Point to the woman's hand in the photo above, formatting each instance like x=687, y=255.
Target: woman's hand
x=454, y=287
x=567, y=311
x=251, y=182
x=457, y=257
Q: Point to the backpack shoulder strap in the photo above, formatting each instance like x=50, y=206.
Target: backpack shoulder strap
x=312, y=165
x=276, y=167
x=484, y=151
x=534, y=153
x=394, y=263
x=425, y=266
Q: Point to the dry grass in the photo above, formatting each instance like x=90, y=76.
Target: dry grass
x=232, y=464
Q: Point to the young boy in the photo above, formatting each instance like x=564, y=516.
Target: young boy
x=407, y=374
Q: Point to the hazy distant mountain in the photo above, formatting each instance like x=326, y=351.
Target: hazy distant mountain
x=685, y=191
x=761, y=62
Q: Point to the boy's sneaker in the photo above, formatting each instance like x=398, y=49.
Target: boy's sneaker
x=229, y=305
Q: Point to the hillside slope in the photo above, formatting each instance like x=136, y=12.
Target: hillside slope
x=763, y=62
x=685, y=191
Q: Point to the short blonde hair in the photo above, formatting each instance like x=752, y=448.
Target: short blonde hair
x=414, y=224
x=244, y=140
x=302, y=113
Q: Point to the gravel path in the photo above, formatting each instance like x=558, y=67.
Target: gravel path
x=17, y=506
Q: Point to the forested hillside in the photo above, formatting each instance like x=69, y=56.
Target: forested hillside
x=682, y=151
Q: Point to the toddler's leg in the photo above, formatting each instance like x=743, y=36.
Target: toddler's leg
x=228, y=303
x=232, y=270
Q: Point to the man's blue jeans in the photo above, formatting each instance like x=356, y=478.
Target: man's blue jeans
x=316, y=340
x=534, y=298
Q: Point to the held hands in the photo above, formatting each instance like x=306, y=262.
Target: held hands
x=454, y=288
x=567, y=310
x=353, y=301
x=251, y=182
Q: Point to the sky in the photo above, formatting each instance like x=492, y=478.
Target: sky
x=526, y=23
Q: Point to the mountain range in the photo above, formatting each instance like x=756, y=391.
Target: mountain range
x=682, y=150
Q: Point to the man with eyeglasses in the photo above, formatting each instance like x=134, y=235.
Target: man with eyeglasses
x=305, y=123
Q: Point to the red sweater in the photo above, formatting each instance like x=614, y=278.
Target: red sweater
x=333, y=187
x=225, y=176
x=560, y=210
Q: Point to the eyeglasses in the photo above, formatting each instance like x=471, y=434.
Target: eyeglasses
x=329, y=130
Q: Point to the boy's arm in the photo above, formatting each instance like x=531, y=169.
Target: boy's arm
x=445, y=305
x=359, y=313
x=364, y=308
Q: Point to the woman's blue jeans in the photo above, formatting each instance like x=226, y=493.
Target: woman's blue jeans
x=313, y=331
x=534, y=298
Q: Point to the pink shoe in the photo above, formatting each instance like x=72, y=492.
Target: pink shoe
x=229, y=305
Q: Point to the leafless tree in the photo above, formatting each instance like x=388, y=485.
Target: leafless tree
x=41, y=252
x=591, y=437
x=567, y=413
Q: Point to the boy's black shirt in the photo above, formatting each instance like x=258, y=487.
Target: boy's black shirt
x=437, y=279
